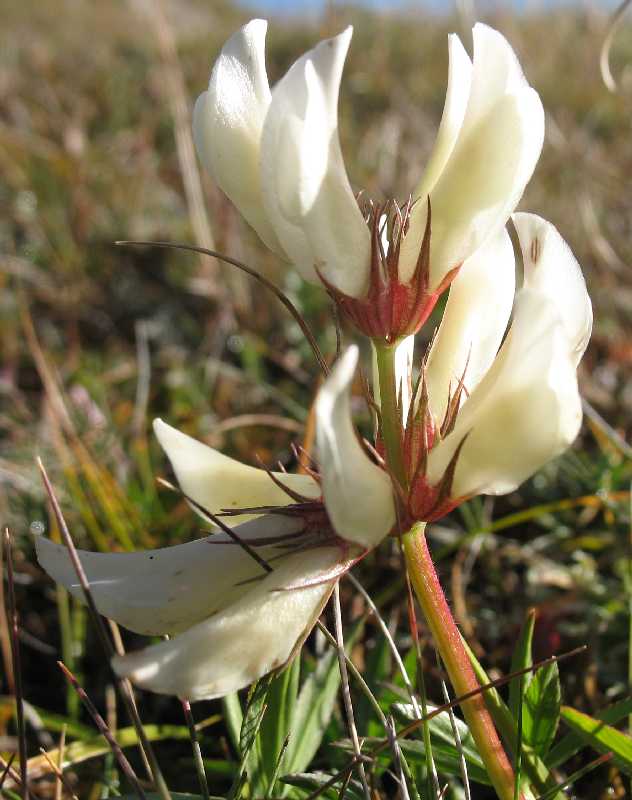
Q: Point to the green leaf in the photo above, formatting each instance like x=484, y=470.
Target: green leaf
x=446, y=756
x=602, y=737
x=253, y=717
x=313, y=711
x=76, y=752
x=52, y=722
x=315, y=706
x=533, y=767
x=218, y=767
x=541, y=709
x=441, y=732
x=233, y=717
x=262, y=763
x=572, y=742
x=521, y=659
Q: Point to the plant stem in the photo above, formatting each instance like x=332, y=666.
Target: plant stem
x=390, y=413
x=453, y=654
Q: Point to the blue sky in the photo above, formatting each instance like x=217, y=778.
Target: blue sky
x=315, y=7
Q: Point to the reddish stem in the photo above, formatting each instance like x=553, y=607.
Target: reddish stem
x=456, y=660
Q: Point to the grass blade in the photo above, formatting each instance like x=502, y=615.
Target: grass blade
x=602, y=737
x=521, y=658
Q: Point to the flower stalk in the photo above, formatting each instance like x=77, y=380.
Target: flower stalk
x=448, y=641
x=432, y=600
x=390, y=426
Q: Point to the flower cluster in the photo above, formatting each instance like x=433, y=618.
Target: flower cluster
x=493, y=399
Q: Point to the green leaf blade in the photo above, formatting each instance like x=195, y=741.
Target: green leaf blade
x=601, y=736
x=541, y=709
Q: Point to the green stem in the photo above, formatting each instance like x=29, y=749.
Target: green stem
x=457, y=663
x=390, y=413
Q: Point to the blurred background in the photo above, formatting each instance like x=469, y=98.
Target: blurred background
x=98, y=339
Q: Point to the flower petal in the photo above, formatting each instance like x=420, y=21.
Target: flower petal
x=254, y=635
x=227, y=124
x=493, y=158
x=551, y=268
x=358, y=494
x=218, y=482
x=168, y=590
x=458, y=92
x=474, y=322
x=524, y=412
x=306, y=191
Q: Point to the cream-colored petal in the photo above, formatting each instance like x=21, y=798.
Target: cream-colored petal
x=497, y=72
x=474, y=322
x=217, y=482
x=168, y=590
x=526, y=410
x=230, y=650
x=551, y=268
x=494, y=156
x=306, y=191
x=358, y=494
x=227, y=123
x=457, y=94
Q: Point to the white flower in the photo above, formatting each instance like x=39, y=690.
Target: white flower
x=232, y=619
x=525, y=408
x=276, y=154
x=494, y=413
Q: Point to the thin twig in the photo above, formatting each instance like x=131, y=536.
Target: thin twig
x=342, y=775
x=6, y=769
x=15, y=655
x=61, y=778
x=263, y=420
x=277, y=766
x=124, y=686
x=413, y=726
x=599, y=422
x=414, y=630
x=119, y=649
x=567, y=782
x=197, y=752
x=278, y=293
x=220, y=524
x=60, y=761
x=346, y=692
x=391, y=642
x=457, y=741
x=103, y=729
x=396, y=750
x=604, y=57
x=357, y=675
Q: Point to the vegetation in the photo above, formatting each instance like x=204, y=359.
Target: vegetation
x=98, y=339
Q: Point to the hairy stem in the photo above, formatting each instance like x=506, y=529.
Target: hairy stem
x=457, y=663
x=390, y=412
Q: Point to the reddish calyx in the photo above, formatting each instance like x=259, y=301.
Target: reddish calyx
x=421, y=501
x=392, y=308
